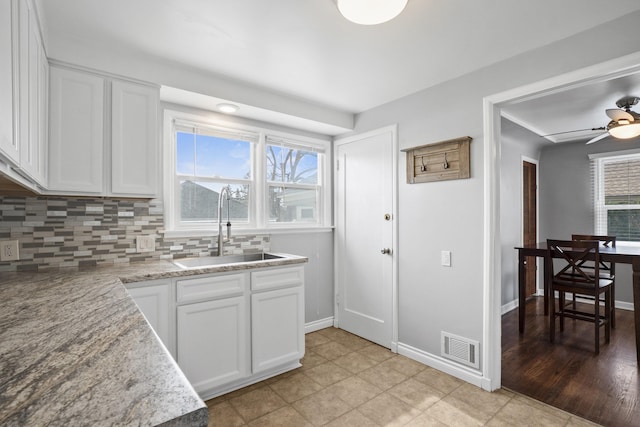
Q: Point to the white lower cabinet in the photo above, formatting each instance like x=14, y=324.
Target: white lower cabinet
x=277, y=327
x=230, y=329
x=156, y=301
x=213, y=342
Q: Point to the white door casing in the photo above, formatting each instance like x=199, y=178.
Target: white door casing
x=492, y=281
x=366, y=227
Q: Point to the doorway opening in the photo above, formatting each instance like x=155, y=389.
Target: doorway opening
x=492, y=280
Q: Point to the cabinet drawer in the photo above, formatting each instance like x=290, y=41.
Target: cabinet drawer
x=277, y=278
x=212, y=287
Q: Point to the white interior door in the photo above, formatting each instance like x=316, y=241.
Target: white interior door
x=365, y=189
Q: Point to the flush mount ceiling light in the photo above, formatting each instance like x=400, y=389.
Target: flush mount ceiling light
x=370, y=12
x=227, y=108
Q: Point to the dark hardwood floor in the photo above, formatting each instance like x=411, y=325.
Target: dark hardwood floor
x=567, y=374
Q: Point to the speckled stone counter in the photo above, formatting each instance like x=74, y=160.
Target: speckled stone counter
x=75, y=350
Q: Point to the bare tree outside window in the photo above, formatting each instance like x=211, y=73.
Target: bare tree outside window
x=292, y=175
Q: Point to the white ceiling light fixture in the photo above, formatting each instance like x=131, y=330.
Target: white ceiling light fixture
x=370, y=12
x=227, y=108
x=624, y=129
x=624, y=124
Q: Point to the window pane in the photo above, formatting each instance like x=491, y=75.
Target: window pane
x=199, y=202
x=622, y=182
x=292, y=205
x=624, y=224
x=291, y=165
x=185, y=152
x=210, y=156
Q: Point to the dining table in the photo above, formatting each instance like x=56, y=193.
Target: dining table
x=620, y=254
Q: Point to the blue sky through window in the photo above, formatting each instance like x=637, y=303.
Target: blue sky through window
x=210, y=156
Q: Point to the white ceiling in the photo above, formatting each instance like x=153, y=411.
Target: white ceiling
x=305, y=50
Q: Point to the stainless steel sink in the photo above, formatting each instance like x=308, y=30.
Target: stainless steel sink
x=207, y=261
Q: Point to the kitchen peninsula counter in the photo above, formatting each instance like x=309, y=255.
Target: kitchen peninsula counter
x=75, y=350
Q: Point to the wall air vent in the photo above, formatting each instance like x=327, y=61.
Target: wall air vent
x=461, y=350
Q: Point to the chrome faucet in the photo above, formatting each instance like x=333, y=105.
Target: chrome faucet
x=224, y=190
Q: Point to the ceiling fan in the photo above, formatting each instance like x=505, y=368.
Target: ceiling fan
x=624, y=124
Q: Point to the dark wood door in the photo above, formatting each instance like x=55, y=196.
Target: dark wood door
x=529, y=220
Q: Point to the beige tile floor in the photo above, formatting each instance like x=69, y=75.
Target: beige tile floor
x=348, y=381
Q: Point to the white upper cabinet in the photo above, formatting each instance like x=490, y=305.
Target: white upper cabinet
x=86, y=159
x=33, y=76
x=23, y=93
x=76, y=131
x=8, y=143
x=134, y=139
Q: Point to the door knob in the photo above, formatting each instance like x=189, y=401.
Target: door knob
x=385, y=251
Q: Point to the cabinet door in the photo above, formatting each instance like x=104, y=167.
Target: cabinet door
x=213, y=342
x=155, y=302
x=8, y=143
x=77, y=131
x=277, y=327
x=32, y=138
x=43, y=115
x=134, y=139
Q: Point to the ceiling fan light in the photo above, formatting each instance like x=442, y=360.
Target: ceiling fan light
x=628, y=131
x=370, y=12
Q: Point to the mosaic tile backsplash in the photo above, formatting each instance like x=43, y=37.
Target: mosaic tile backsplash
x=74, y=232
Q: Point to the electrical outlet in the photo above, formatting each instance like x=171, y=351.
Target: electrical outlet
x=9, y=250
x=445, y=258
x=145, y=244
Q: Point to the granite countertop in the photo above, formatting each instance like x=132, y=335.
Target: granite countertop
x=75, y=350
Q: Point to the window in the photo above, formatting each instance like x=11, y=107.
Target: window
x=293, y=192
x=277, y=180
x=208, y=159
x=617, y=195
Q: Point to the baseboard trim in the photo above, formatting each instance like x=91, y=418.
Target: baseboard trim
x=512, y=305
x=469, y=375
x=316, y=325
x=509, y=306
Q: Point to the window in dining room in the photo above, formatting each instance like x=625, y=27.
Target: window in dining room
x=617, y=195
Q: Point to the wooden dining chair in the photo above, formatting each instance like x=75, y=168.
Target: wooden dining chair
x=573, y=278
x=607, y=269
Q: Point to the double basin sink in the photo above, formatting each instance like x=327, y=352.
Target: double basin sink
x=210, y=261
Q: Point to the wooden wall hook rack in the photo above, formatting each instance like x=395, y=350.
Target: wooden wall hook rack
x=440, y=161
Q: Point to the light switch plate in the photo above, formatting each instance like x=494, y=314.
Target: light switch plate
x=145, y=244
x=9, y=250
x=445, y=258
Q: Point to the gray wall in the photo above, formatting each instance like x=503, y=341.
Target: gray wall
x=566, y=196
x=318, y=285
x=449, y=215
x=516, y=143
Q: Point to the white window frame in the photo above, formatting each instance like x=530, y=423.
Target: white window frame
x=600, y=209
x=258, y=214
x=286, y=141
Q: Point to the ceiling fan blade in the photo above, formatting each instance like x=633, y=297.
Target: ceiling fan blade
x=618, y=114
x=573, y=131
x=598, y=138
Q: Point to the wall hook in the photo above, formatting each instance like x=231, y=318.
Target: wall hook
x=423, y=168
x=446, y=164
